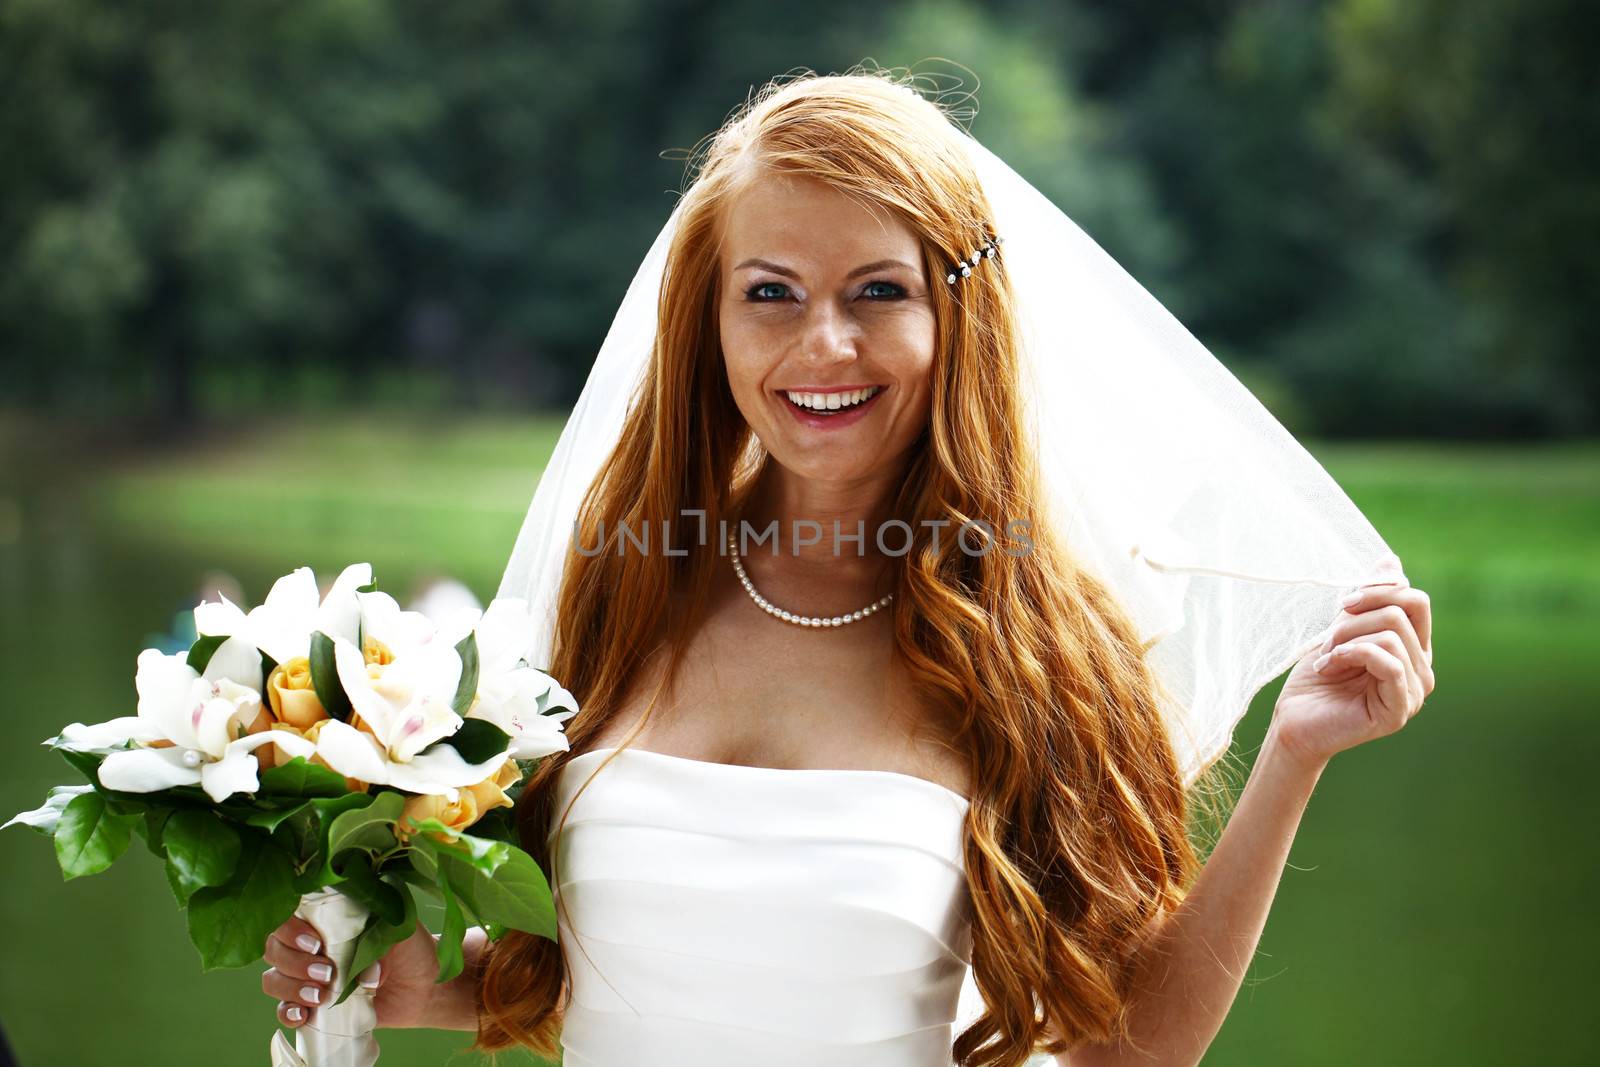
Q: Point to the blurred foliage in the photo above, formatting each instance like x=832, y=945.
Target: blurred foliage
x=1383, y=206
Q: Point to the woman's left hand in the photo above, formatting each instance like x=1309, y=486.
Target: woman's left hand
x=1368, y=679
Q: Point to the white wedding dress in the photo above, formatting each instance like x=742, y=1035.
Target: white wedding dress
x=720, y=915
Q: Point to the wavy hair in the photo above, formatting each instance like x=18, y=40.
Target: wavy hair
x=1076, y=835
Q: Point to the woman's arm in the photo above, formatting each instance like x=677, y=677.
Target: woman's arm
x=1375, y=673
x=1190, y=967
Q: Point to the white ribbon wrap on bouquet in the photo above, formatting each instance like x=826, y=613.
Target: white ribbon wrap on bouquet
x=337, y=1035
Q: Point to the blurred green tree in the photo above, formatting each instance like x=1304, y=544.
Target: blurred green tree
x=1359, y=201
x=1491, y=111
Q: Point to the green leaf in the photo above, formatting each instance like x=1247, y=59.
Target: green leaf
x=325, y=677
x=316, y=823
x=302, y=778
x=204, y=647
x=478, y=740
x=202, y=850
x=478, y=852
x=451, y=961
x=85, y=763
x=300, y=837
x=151, y=827
x=89, y=837
x=467, y=688
x=498, y=825
x=269, y=818
x=230, y=923
x=324, y=807
x=130, y=803
x=422, y=861
x=361, y=883
x=399, y=869
x=379, y=937
x=191, y=795
x=180, y=891
x=516, y=896
x=370, y=827
x=330, y=808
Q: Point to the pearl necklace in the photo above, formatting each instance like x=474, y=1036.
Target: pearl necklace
x=788, y=616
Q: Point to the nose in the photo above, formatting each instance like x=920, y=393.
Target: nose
x=830, y=334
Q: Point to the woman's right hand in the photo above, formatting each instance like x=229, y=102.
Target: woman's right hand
x=301, y=979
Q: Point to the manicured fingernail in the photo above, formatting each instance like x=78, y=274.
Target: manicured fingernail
x=295, y=1013
x=320, y=971
x=307, y=943
x=369, y=977
x=1322, y=661
x=311, y=993
x=1351, y=599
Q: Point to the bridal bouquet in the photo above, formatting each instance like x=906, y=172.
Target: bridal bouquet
x=324, y=756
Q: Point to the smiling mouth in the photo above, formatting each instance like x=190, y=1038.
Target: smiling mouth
x=826, y=404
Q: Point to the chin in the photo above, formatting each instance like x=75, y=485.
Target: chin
x=833, y=462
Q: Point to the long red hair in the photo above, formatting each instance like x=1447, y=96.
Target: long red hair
x=1076, y=836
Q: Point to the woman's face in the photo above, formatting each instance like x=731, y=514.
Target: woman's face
x=827, y=328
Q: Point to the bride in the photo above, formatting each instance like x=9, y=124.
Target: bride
x=865, y=722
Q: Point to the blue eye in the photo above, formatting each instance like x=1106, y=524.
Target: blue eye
x=767, y=292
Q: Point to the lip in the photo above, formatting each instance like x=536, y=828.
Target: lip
x=830, y=422
x=826, y=389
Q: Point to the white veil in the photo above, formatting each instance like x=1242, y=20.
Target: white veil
x=1225, y=540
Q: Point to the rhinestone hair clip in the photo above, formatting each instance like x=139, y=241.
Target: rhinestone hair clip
x=964, y=268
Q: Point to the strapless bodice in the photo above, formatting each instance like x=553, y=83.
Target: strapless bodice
x=719, y=915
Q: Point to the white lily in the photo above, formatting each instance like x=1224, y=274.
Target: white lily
x=48, y=815
x=512, y=695
x=401, y=632
x=281, y=626
x=201, y=715
x=406, y=705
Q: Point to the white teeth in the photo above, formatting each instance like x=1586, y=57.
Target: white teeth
x=832, y=401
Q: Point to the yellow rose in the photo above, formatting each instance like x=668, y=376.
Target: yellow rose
x=458, y=815
x=471, y=804
x=292, y=696
x=491, y=792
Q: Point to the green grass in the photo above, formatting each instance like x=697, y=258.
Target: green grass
x=448, y=494
x=1435, y=911
x=1489, y=527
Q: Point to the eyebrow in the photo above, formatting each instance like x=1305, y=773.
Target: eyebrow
x=865, y=268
